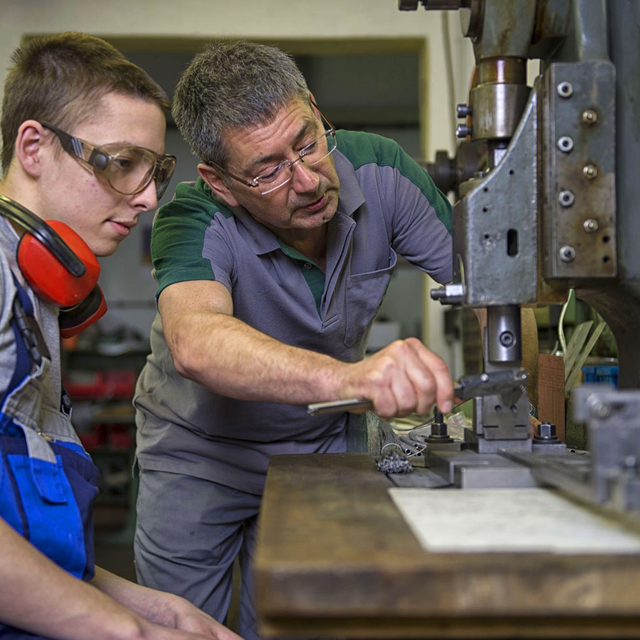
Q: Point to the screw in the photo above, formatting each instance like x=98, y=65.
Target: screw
x=507, y=339
x=463, y=130
x=514, y=408
x=463, y=110
x=599, y=408
x=566, y=198
x=484, y=377
x=589, y=116
x=567, y=253
x=590, y=225
x=565, y=144
x=565, y=89
x=589, y=172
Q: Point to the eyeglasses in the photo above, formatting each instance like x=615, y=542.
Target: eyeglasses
x=310, y=155
x=127, y=170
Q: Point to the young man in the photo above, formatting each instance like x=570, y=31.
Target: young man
x=271, y=268
x=83, y=144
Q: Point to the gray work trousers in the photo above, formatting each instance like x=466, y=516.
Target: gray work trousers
x=188, y=534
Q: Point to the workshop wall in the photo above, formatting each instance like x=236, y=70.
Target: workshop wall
x=374, y=27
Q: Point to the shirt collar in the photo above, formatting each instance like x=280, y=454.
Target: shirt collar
x=351, y=196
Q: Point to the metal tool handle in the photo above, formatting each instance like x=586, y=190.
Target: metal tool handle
x=333, y=406
x=468, y=387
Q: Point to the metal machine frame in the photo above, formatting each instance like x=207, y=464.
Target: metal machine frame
x=554, y=207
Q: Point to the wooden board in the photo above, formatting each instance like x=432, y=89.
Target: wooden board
x=551, y=403
x=334, y=558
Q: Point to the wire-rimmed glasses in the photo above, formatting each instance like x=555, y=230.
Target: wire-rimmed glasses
x=280, y=175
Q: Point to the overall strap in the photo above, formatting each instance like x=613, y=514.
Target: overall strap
x=30, y=345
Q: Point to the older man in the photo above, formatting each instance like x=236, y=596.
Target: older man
x=271, y=268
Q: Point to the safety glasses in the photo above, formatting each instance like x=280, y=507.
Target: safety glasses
x=127, y=170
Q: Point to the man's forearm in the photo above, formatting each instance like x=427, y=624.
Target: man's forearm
x=38, y=596
x=123, y=591
x=233, y=359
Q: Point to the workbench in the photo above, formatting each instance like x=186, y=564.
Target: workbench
x=335, y=559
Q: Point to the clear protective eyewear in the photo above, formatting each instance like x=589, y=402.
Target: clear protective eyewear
x=127, y=170
x=310, y=155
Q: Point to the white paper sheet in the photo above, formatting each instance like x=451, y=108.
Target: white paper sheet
x=498, y=520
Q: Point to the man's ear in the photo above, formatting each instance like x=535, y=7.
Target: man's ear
x=28, y=148
x=217, y=184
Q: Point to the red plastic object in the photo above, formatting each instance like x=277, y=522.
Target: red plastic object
x=106, y=385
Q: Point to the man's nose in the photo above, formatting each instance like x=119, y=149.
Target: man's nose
x=304, y=177
x=147, y=199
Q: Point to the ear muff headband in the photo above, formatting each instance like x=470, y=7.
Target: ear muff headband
x=53, y=258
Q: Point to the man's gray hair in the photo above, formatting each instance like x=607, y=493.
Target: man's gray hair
x=231, y=85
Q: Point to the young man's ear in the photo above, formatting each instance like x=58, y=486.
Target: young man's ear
x=213, y=178
x=28, y=148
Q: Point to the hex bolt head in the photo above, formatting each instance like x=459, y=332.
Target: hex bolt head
x=590, y=172
x=590, y=225
x=589, y=116
x=567, y=253
x=565, y=144
x=507, y=339
x=565, y=89
x=566, y=198
x=546, y=430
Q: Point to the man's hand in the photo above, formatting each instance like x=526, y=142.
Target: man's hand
x=175, y=612
x=403, y=378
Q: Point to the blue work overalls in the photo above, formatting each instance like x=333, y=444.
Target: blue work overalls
x=47, y=481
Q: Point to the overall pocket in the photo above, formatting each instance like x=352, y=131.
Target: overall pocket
x=364, y=295
x=39, y=502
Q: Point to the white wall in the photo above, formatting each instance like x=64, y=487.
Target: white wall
x=297, y=19
x=267, y=19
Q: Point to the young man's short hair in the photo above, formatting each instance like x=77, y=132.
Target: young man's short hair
x=62, y=78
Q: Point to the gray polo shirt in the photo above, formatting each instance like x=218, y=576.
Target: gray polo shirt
x=388, y=205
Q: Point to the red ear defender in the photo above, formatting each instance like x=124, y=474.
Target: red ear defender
x=59, y=266
x=51, y=279
x=73, y=320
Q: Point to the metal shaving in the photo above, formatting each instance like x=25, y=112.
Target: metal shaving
x=394, y=463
